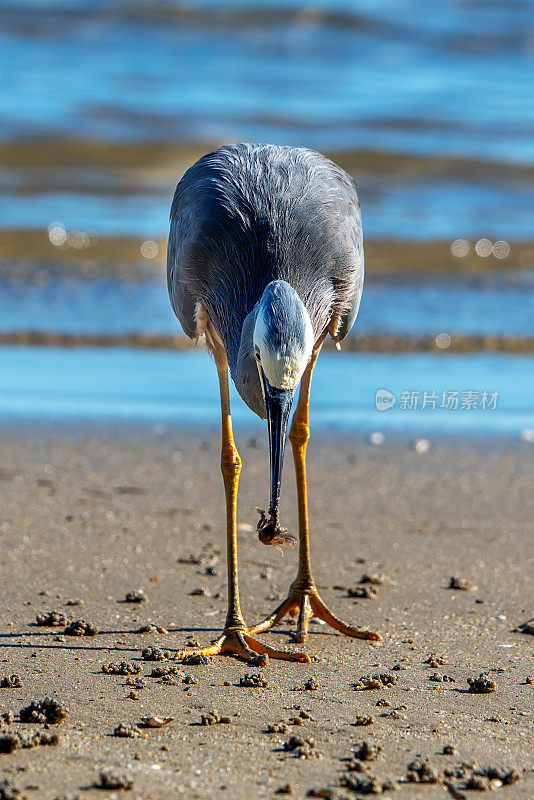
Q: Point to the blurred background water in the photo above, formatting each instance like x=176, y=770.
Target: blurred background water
x=395, y=78
x=429, y=107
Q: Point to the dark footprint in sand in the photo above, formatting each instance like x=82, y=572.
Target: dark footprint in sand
x=96, y=492
x=44, y=483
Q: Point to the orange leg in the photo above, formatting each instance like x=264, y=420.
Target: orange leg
x=303, y=600
x=236, y=639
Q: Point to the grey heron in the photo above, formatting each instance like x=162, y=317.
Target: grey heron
x=265, y=259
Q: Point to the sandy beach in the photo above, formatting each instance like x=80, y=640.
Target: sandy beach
x=92, y=515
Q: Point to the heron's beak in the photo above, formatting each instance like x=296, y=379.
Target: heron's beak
x=278, y=404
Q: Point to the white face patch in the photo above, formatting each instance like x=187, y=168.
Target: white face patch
x=283, y=342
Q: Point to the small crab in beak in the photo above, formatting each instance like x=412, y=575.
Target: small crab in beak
x=269, y=532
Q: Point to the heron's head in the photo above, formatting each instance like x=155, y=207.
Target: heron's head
x=283, y=344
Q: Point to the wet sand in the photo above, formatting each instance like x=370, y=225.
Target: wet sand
x=29, y=257
x=91, y=516
x=374, y=343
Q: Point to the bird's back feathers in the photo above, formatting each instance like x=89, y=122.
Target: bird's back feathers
x=245, y=215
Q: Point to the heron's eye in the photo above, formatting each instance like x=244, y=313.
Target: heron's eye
x=257, y=355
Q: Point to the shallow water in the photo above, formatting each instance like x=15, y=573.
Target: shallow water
x=105, y=104
x=496, y=304
x=181, y=389
x=343, y=73
x=351, y=75
x=401, y=209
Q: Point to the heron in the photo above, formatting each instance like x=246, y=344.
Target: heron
x=265, y=260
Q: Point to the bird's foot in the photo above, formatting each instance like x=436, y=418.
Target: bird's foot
x=239, y=642
x=305, y=603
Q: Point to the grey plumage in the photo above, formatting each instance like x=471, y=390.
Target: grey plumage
x=245, y=215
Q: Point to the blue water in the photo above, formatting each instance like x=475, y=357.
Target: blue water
x=429, y=80
x=338, y=74
x=495, y=305
x=396, y=78
x=400, y=209
x=125, y=385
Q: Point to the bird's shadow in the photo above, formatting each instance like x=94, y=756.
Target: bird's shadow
x=9, y=640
